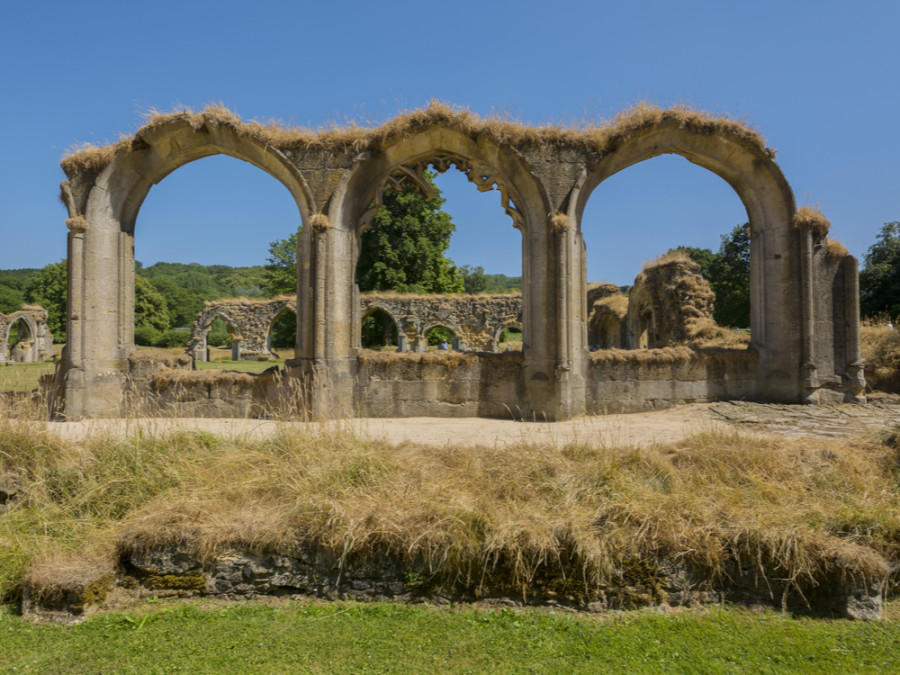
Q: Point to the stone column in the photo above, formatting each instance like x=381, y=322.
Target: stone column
x=809, y=379
x=854, y=357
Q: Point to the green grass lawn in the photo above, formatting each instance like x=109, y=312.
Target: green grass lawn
x=393, y=638
x=23, y=376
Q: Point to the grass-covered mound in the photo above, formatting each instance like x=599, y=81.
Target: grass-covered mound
x=573, y=522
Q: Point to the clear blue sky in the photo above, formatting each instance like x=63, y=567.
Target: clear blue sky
x=820, y=80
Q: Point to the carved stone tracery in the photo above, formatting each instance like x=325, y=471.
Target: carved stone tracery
x=412, y=177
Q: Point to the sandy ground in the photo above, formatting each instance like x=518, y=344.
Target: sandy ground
x=633, y=429
x=636, y=429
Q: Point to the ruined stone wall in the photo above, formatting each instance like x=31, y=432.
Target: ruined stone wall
x=626, y=380
x=35, y=341
x=545, y=177
x=475, y=320
x=249, y=320
x=441, y=384
x=665, y=298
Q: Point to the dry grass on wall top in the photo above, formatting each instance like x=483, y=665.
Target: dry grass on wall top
x=242, y=301
x=598, y=137
x=617, y=304
x=810, y=217
x=473, y=517
x=835, y=249
x=712, y=351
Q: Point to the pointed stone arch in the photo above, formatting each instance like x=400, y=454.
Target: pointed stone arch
x=775, y=243
x=487, y=163
x=103, y=208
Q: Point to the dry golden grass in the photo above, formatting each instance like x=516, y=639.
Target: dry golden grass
x=448, y=358
x=880, y=348
x=597, y=137
x=835, y=249
x=476, y=518
x=617, y=304
x=676, y=354
x=667, y=258
x=811, y=217
x=241, y=301
x=704, y=333
x=395, y=295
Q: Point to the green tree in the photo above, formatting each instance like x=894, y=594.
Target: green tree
x=11, y=299
x=149, y=306
x=728, y=273
x=48, y=289
x=404, y=249
x=879, y=279
x=281, y=270
x=181, y=306
x=474, y=279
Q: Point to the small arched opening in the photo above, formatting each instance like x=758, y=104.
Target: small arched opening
x=509, y=338
x=605, y=331
x=221, y=337
x=442, y=338
x=380, y=331
x=20, y=340
x=281, y=338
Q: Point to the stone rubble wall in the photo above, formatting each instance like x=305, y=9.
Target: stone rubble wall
x=311, y=571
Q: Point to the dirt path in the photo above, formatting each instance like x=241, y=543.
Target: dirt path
x=639, y=429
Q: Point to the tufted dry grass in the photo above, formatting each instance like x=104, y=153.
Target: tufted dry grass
x=880, y=348
x=600, y=137
x=473, y=516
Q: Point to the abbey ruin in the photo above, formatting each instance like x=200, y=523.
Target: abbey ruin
x=585, y=350
x=34, y=341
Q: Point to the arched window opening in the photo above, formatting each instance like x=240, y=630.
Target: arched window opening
x=223, y=341
x=509, y=339
x=441, y=338
x=657, y=211
x=204, y=233
x=605, y=331
x=20, y=342
x=434, y=234
x=644, y=329
x=379, y=331
x=282, y=337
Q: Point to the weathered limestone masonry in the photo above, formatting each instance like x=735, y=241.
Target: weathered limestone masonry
x=475, y=320
x=804, y=316
x=35, y=342
x=249, y=321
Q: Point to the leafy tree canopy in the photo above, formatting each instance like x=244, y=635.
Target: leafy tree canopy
x=150, y=308
x=11, y=299
x=404, y=248
x=281, y=270
x=879, y=279
x=48, y=289
x=728, y=273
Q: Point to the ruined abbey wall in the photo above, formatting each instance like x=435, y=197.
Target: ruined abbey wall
x=804, y=315
x=35, y=343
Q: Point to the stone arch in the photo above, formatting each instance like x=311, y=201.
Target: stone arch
x=278, y=313
x=498, y=333
x=605, y=329
x=774, y=265
x=101, y=242
x=26, y=349
x=399, y=325
x=327, y=289
x=455, y=343
x=202, y=326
